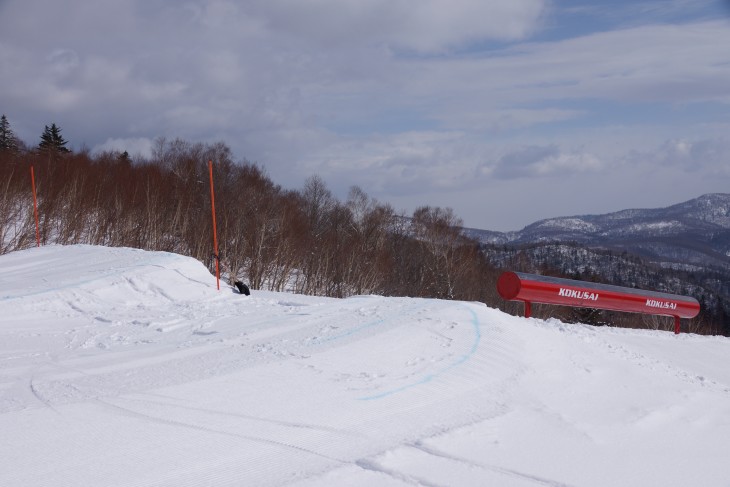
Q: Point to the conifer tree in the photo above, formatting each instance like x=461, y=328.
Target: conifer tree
x=8, y=141
x=52, y=141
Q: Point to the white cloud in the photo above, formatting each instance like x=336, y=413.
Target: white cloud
x=710, y=156
x=133, y=146
x=410, y=162
x=63, y=62
x=419, y=25
x=497, y=119
x=643, y=11
x=661, y=63
x=542, y=161
x=392, y=95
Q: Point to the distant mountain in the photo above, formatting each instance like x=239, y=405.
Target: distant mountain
x=688, y=235
x=683, y=249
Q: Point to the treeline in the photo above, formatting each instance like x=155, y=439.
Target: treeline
x=306, y=241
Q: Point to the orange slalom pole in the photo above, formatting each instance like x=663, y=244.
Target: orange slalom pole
x=35, y=209
x=215, y=232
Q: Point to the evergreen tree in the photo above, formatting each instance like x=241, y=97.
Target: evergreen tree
x=52, y=141
x=8, y=142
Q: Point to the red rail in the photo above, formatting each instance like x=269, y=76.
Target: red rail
x=529, y=288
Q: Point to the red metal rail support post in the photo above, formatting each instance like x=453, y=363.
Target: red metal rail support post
x=35, y=208
x=529, y=288
x=215, y=231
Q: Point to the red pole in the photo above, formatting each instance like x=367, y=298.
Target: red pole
x=35, y=209
x=677, y=324
x=215, y=232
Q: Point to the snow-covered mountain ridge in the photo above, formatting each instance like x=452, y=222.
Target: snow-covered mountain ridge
x=697, y=230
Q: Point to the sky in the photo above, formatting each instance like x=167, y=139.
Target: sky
x=507, y=111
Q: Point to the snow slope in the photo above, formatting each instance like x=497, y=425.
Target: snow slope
x=120, y=367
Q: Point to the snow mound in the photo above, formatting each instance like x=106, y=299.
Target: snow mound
x=110, y=274
x=128, y=368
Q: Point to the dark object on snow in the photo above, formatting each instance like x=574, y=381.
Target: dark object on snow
x=242, y=288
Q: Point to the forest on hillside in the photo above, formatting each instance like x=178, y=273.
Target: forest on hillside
x=305, y=241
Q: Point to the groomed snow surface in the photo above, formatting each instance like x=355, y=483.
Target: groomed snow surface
x=120, y=367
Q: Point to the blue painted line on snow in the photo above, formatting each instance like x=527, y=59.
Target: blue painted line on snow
x=360, y=328
x=352, y=331
x=461, y=360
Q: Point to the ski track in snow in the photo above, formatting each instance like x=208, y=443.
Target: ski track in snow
x=124, y=367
